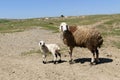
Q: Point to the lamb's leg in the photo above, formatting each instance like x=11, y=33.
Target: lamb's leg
x=59, y=56
x=44, y=59
x=55, y=58
x=70, y=53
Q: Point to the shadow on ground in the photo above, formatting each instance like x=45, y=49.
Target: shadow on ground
x=102, y=60
x=62, y=61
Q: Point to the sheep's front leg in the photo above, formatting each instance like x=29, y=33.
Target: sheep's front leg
x=97, y=56
x=70, y=53
x=93, y=57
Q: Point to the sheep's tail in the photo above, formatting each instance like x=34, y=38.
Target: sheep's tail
x=58, y=48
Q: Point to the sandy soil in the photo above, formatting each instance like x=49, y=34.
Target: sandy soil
x=14, y=66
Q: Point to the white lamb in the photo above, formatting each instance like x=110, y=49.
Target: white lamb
x=52, y=48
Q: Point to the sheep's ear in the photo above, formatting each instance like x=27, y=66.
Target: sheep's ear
x=60, y=28
x=67, y=27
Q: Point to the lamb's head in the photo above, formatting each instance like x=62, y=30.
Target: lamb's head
x=63, y=26
x=42, y=43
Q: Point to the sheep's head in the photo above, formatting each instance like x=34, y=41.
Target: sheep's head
x=63, y=26
x=42, y=43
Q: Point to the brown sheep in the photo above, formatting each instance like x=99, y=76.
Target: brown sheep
x=74, y=36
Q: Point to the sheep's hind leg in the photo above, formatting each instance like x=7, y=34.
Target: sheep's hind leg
x=97, y=56
x=93, y=57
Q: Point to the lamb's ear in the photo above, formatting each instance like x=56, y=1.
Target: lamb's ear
x=44, y=43
x=40, y=42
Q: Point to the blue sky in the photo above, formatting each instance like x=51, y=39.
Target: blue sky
x=51, y=8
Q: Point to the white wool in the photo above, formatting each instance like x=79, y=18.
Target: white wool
x=49, y=47
x=52, y=48
x=46, y=48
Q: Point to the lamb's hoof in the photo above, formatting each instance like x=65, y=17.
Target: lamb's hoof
x=44, y=62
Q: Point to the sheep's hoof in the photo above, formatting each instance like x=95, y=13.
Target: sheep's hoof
x=55, y=62
x=59, y=61
x=97, y=62
x=71, y=62
x=44, y=62
x=93, y=63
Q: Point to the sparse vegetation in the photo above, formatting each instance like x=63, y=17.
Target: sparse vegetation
x=116, y=44
x=30, y=52
x=108, y=28
x=13, y=25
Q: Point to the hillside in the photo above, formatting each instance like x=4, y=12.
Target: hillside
x=112, y=23
x=109, y=25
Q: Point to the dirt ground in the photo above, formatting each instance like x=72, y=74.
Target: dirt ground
x=14, y=66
